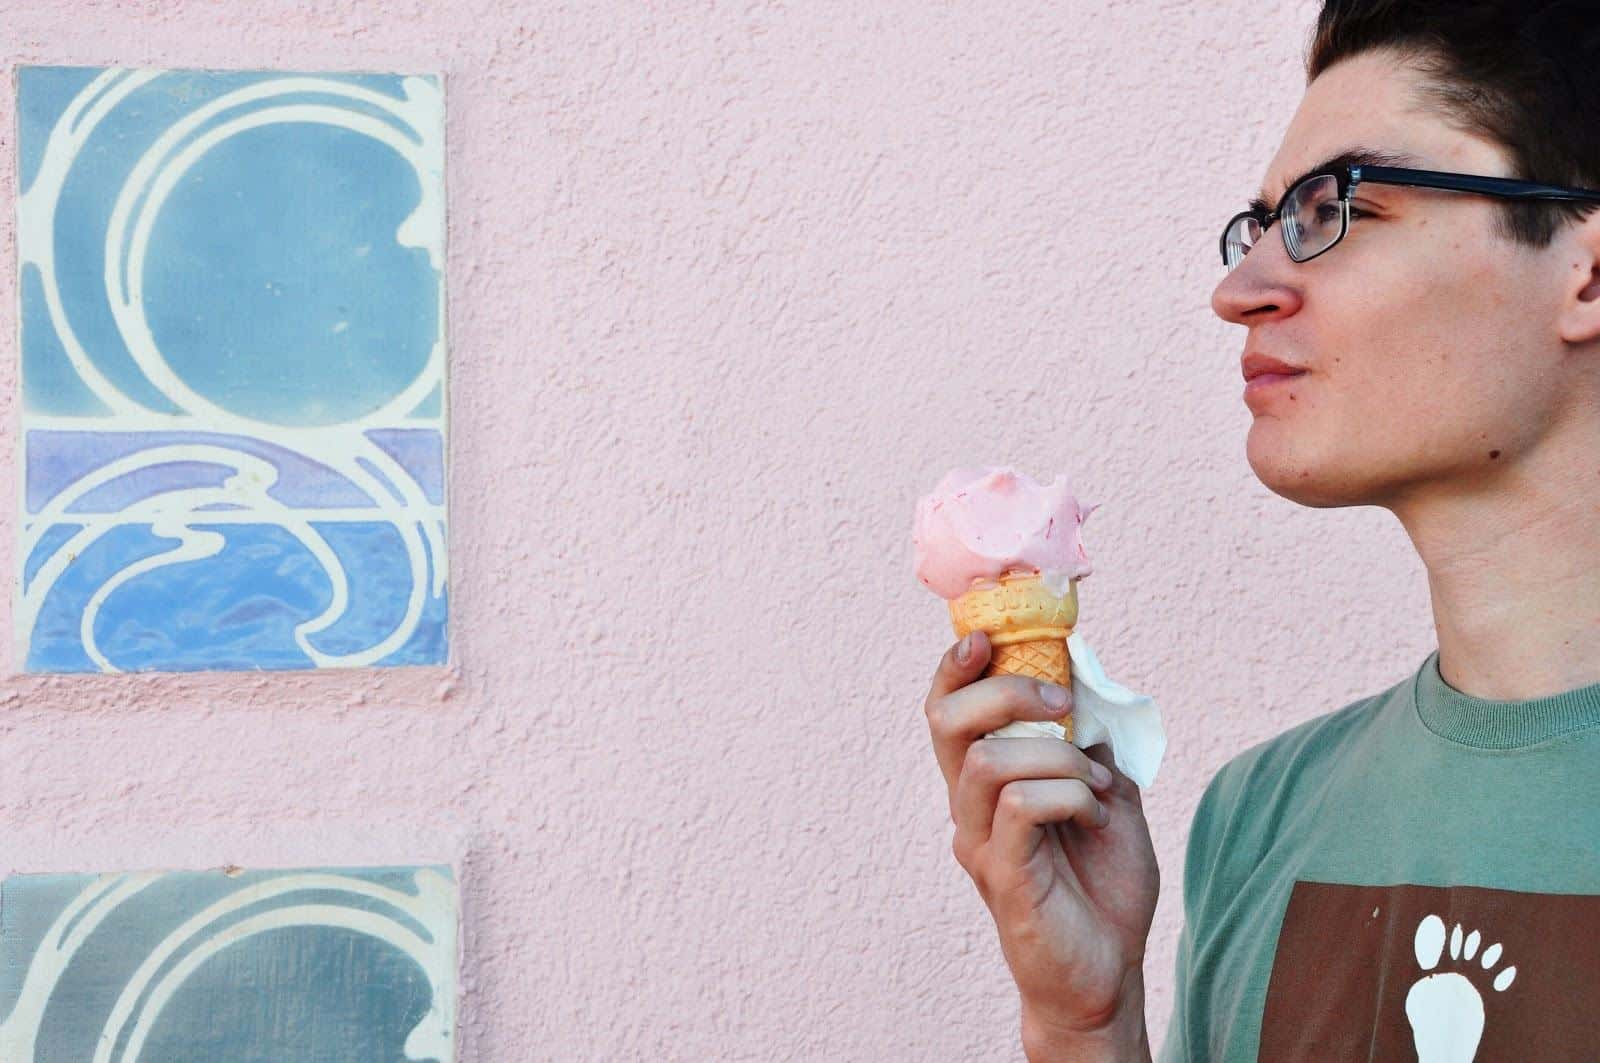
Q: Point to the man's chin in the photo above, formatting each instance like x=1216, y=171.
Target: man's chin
x=1320, y=484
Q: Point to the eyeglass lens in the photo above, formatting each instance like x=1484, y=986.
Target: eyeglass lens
x=1311, y=215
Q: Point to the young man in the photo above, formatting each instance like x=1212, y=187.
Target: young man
x=1417, y=875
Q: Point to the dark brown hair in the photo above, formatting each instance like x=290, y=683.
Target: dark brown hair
x=1523, y=73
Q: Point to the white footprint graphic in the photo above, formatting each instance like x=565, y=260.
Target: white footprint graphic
x=1445, y=1009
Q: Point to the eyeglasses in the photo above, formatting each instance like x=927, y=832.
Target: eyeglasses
x=1316, y=211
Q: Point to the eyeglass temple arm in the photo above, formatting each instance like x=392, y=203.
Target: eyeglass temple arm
x=1457, y=182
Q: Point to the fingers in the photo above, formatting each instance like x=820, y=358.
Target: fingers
x=954, y=672
x=961, y=707
x=994, y=765
x=967, y=715
x=1121, y=786
x=992, y=702
x=1026, y=805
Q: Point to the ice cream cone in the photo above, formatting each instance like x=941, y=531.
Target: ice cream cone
x=1028, y=627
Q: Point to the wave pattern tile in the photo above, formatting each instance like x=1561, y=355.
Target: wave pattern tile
x=233, y=370
x=246, y=966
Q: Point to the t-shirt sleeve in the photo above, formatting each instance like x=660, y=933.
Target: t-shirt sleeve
x=1174, y=1048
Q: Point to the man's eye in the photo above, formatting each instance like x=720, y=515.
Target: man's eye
x=1327, y=212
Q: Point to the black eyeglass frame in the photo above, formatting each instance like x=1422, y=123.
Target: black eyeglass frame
x=1349, y=177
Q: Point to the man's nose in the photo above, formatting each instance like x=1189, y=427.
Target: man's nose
x=1261, y=287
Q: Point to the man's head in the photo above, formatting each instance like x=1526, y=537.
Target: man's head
x=1449, y=337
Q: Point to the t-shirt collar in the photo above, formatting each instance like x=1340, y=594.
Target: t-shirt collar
x=1490, y=724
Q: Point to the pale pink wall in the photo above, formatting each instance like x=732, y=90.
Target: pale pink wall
x=729, y=286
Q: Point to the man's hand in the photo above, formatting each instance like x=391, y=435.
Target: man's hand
x=1056, y=841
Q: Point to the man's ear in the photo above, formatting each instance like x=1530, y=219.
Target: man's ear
x=1580, y=309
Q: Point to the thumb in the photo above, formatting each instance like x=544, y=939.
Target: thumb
x=962, y=663
x=972, y=652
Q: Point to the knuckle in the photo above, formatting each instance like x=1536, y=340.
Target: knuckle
x=1022, y=692
x=967, y=857
x=958, y=848
x=1008, y=692
x=981, y=763
x=1013, y=799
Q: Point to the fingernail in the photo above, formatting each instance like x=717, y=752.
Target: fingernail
x=964, y=650
x=1055, y=697
x=1101, y=773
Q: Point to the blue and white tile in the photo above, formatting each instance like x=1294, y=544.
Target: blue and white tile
x=233, y=348
x=248, y=966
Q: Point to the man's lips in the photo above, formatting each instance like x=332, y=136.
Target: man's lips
x=1263, y=379
x=1258, y=387
x=1256, y=364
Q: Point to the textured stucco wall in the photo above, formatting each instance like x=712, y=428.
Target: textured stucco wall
x=729, y=286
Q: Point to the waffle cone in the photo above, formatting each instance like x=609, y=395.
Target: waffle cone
x=1028, y=627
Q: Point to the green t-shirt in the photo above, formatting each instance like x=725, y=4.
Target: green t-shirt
x=1413, y=877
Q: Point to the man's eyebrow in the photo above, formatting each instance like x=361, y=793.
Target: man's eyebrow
x=1349, y=157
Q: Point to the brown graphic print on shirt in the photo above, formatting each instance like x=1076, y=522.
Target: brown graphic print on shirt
x=1435, y=975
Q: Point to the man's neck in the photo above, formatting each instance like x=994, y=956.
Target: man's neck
x=1514, y=575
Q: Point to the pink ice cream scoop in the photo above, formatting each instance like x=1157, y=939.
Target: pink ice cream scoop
x=981, y=523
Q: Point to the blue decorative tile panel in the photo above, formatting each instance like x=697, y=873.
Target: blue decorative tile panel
x=233, y=370
x=243, y=966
